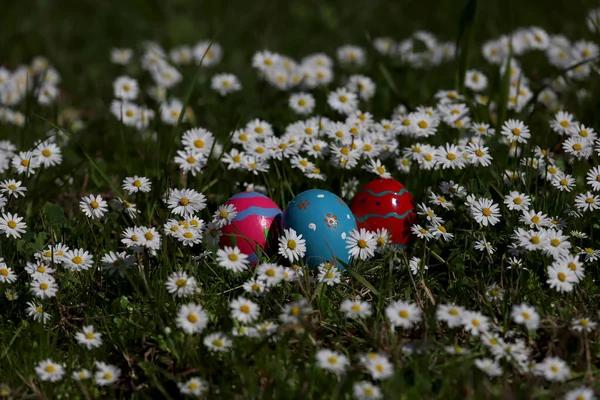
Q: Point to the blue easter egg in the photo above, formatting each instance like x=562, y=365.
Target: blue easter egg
x=324, y=221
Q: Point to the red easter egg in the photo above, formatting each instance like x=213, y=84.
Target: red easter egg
x=385, y=203
x=251, y=227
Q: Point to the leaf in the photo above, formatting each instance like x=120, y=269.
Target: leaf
x=388, y=78
x=504, y=91
x=362, y=280
x=464, y=41
x=54, y=214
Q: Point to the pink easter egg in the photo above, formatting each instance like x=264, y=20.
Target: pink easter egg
x=256, y=216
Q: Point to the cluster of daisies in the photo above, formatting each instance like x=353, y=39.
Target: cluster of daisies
x=164, y=71
x=353, y=140
x=39, y=80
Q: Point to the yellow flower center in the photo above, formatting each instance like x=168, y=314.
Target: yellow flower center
x=589, y=200
x=442, y=229
x=451, y=156
x=343, y=98
x=188, y=235
x=193, y=318
x=11, y=224
x=271, y=272
x=475, y=322
x=577, y=147
x=479, y=153
x=46, y=153
x=362, y=243
x=561, y=276
x=535, y=219
x=25, y=163
x=423, y=124
x=107, y=375
x=44, y=286
x=184, y=201
x=301, y=102
x=486, y=211
x=291, y=244
x=555, y=242
x=453, y=312
x=245, y=309
x=381, y=170
x=516, y=131
x=403, y=314
x=89, y=335
x=572, y=266
x=148, y=235
x=535, y=240
x=4, y=272
x=77, y=260
x=50, y=369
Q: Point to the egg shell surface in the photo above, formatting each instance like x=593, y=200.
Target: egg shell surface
x=386, y=203
x=324, y=221
x=252, y=226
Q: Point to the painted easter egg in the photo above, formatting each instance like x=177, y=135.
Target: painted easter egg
x=385, y=203
x=324, y=221
x=252, y=226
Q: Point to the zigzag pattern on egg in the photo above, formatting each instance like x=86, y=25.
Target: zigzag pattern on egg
x=385, y=203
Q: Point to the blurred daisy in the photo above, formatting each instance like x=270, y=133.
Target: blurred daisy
x=560, y=277
x=180, y=284
x=217, y=341
x=583, y=325
x=524, y=314
x=125, y=88
x=343, y=101
x=355, y=309
x=106, y=374
x=191, y=318
x=332, y=361
x=244, y=310
x=490, y=367
x=44, y=287
x=88, y=337
x=194, y=386
x=302, y=103
x=232, y=259
x=364, y=390
x=403, y=314
x=48, y=370
x=225, y=84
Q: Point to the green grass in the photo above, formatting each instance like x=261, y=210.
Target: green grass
x=136, y=315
